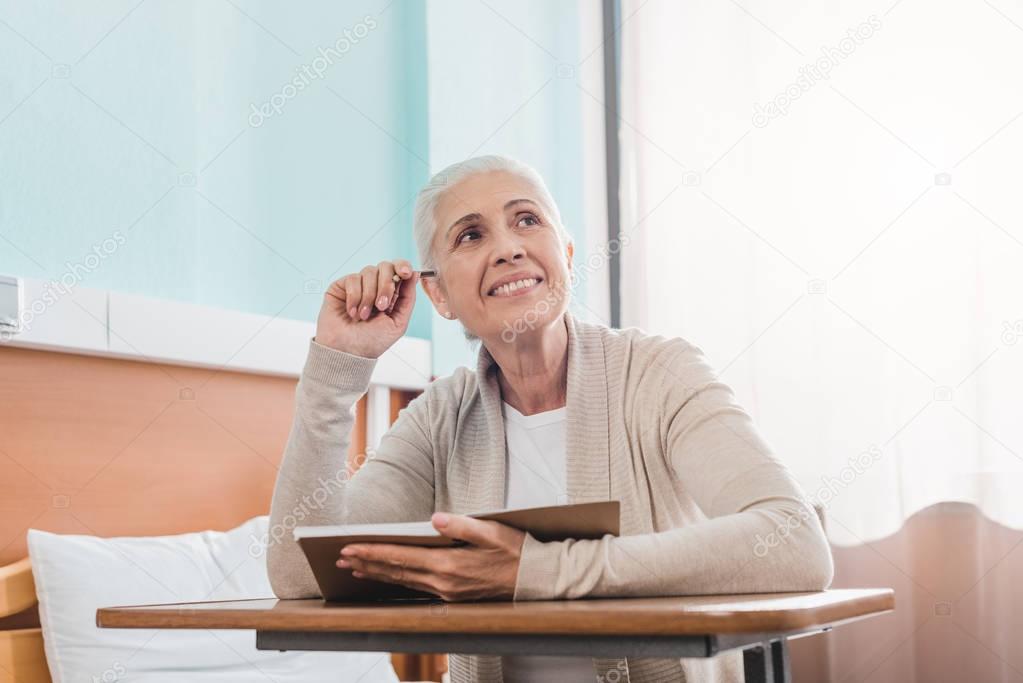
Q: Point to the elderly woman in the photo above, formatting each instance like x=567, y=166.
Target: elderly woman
x=560, y=411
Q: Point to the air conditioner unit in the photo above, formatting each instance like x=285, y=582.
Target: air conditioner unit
x=11, y=305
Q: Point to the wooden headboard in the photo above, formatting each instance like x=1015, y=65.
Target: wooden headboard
x=111, y=447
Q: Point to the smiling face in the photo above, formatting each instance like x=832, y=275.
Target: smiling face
x=501, y=261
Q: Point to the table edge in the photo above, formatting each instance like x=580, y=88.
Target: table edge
x=625, y=621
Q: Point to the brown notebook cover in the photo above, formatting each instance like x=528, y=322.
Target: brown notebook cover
x=322, y=544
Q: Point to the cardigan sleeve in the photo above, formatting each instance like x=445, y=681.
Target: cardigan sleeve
x=315, y=485
x=761, y=534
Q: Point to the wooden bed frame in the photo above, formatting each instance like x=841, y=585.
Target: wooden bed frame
x=111, y=447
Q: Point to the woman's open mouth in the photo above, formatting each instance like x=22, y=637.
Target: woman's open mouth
x=516, y=288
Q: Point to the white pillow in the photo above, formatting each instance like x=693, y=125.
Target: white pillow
x=75, y=575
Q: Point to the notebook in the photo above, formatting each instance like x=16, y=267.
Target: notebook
x=322, y=544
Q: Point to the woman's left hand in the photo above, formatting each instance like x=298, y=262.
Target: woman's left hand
x=485, y=568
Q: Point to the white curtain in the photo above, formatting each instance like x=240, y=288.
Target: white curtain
x=825, y=198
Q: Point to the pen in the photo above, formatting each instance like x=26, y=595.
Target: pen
x=397, y=280
x=422, y=274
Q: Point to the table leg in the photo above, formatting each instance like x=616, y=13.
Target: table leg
x=767, y=662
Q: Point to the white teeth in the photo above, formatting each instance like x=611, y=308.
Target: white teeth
x=506, y=289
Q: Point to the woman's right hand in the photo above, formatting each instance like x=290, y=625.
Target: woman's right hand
x=364, y=313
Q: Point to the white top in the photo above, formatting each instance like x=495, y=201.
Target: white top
x=536, y=476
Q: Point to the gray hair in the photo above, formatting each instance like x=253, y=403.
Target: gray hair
x=425, y=220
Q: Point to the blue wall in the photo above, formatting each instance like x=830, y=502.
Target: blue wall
x=148, y=130
x=144, y=119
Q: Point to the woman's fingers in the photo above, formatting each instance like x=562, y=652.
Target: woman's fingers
x=385, y=285
x=353, y=294
x=376, y=288
x=372, y=295
x=403, y=268
x=392, y=573
x=478, y=532
x=410, y=567
x=402, y=272
x=336, y=290
x=369, y=291
x=405, y=297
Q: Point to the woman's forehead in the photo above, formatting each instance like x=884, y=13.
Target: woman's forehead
x=484, y=193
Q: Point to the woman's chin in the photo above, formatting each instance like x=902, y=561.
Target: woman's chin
x=526, y=316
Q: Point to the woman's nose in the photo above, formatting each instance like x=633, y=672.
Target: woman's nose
x=508, y=249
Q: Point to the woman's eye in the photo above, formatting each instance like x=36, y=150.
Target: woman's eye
x=465, y=236
x=529, y=217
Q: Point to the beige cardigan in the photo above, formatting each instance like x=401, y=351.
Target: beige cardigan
x=706, y=507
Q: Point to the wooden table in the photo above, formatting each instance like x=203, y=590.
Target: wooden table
x=695, y=626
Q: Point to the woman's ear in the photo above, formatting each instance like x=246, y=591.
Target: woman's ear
x=438, y=296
